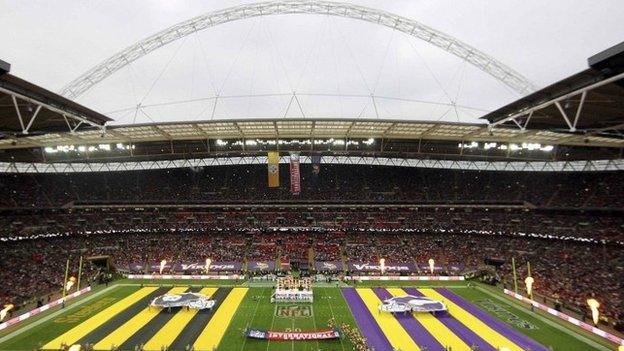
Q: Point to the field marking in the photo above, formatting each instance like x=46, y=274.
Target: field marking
x=434, y=326
x=97, y=320
x=272, y=324
x=553, y=324
x=390, y=326
x=166, y=335
x=214, y=331
x=331, y=309
x=44, y=319
x=486, y=332
x=125, y=331
x=253, y=316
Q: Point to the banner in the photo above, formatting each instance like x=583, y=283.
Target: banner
x=374, y=267
x=261, y=265
x=273, y=167
x=43, y=308
x=329, y=266
x=180, y=276
x=426, y=268
x=565, y=317
x=275, y=335
x=404, y=278
x=184, y=267
x=295, y=176
x=316, y=164
x=154, y=267
x=136, y=267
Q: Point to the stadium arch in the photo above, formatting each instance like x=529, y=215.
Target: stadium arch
x=470, y=54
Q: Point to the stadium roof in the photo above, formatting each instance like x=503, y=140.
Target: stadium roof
x=28, y=109
x=589, y=103
x=280, y=128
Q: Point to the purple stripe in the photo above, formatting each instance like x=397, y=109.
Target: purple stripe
x=365, y=321
x=467, y=335
x=516, y=337
x=419, y=334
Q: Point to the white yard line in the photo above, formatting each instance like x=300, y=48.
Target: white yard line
x=292, y=329
x=318, y=347
x=253, y=316
x=333, y=316
x=53, y=315
x=553, y=324
x=272, y=323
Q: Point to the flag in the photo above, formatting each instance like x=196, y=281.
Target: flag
x=295, y=177
x=273, y=162
x=316, y=164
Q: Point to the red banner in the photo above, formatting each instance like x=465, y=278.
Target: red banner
x=295, y=177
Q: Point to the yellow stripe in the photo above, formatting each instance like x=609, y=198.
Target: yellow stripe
x=97, y=320
x=397, y=336
x=439, y=331
x=168, y=333
x=488, y=334
x=210, y=337
x=131, y=326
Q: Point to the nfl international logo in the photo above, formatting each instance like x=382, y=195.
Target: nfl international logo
x=293, y=311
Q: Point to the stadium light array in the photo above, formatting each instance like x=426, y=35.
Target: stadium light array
x=295, y=142
x=85, y=148
x=512, y=147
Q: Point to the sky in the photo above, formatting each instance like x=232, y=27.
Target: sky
x=302, y=66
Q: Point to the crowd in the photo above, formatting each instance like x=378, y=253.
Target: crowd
x=569, y=226
x=339, y=183
x=562, y=269
x=574, y=224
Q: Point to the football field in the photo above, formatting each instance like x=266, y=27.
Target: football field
x=119, y=317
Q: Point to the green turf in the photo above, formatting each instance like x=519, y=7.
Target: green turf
x=35, y=336
x=543, y=332
x=256, y=311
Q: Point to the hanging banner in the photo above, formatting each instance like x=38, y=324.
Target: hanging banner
x=292, y=336
x=273, y=167
x=295, y=177
x=316, y=164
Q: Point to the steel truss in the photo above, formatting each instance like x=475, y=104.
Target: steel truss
x=511, y=166
x=72, y=120
x=571, y=121
x=479, y=59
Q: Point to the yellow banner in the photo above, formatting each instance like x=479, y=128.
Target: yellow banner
x=273, y=161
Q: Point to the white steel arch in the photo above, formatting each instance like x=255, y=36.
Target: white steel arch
x=479, y=59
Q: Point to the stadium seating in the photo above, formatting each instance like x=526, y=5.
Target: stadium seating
x=569, y=226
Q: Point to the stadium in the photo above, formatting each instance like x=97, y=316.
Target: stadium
x=309, y=175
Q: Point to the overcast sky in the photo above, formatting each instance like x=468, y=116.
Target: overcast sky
x=52, y=42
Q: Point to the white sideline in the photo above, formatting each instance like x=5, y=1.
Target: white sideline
x=53, y=315
x=588, y=327
x=404, y=278
x=184, y=277
x=555, y=325
x=38, y=310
